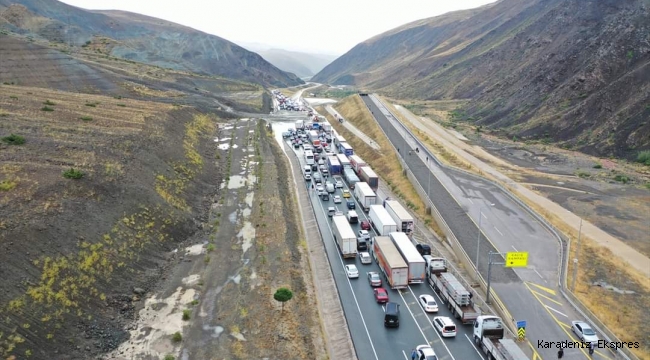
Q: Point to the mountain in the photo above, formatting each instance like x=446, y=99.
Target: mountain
x=140, y=38
x=299, y=63
x=573, y=72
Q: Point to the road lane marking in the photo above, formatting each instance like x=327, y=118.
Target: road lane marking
x=495, y=228
x=431, y=323
x=546, y=297
x=535, y=353
x=550, y=308
x=484, y=217
x=565, y=325
x=474, y=346
x=405, y=357
x=512, y=246
x=550, y=291
x=540, y=275
x=470, y=200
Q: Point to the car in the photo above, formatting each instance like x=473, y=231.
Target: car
x=374, y=279
x=286, y=134
x=296, y=145
x=428, y=303
x=346, y=193
x=331, y=211
x=337, y=199
x=425, y=352
x=329, y=187
x=338, y=184
x=350, y=204
x=365, y=258
x=381, y=296
x=423, y=249
x=325, y=171
x=314, y=167
x=320, y=189
x=364, y=234
x=318, y=179
x=321, y=162
x=338, y=213
x=325, y=196
x=584, y=332
x=365, y=225
x=445, y=325
x=351, y=271
x=307, y=177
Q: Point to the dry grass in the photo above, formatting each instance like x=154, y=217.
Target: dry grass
x=384, y=162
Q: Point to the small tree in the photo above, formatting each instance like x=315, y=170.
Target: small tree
x=283, y=295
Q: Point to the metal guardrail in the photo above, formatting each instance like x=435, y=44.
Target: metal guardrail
x=624, y=353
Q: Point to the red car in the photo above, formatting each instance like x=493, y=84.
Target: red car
x=380, y=295
x=365, y=225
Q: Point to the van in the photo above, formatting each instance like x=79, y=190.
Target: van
x=446, y=327
x=352, y=217
x=391, y=316
x=307, y=169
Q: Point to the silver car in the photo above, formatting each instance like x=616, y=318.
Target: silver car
x=584, y=332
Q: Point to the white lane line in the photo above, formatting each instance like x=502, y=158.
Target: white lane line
x=474, y=346
x=416, y=322
x=484, y=217
x=431, y=323
x=405, y=357
x=350, y=285
x=540, y=275
x=512, y=246
x=550, y=308
x=470, y=200
x=495, y=228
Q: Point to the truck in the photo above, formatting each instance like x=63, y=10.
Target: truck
x=346, y=149
x=345, y=162
x=350, y=177
x=415, y=261
x=402, y=218
x=333, y=165
x=326, y=127
x=313, y=138
x=338, y=139
x=452, y=293
x=344, y=236
x=364, y=194
x=381, y=220
x=390, y=262
x=368, y=176
x=300, y=125
x=489, y=336
x=357, y=163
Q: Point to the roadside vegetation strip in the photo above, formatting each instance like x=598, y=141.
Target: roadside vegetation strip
x=384, y=163
x=595, y=265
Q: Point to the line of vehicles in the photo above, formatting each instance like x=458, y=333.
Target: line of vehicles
x=285, y=103
x=401, y=262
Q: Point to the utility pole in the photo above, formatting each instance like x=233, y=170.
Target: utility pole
x=490, y=263
x=478, y=239
x=575, y=260
x=429, y=183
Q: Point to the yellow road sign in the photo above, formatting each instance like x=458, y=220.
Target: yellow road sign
x=521, y=332
x=516, y=259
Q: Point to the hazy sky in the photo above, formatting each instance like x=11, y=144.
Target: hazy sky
x=330, y=27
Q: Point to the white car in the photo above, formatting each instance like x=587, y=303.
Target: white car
x=428, y=303
x=445, y=325
x=425, y=352
x=364, y=234
x=584, y=331
x=320, y=189
x=352, y=271
x=337, y=199
x=365, y=258
x=338, y=184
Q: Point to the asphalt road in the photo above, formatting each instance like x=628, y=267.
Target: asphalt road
x=467, y=203
x=365, y=317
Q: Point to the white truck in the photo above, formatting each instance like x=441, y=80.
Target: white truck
x=415, y=261
x=357, y=163
x=390, y=262
x=364, y=194
x=489, y=336
x=326, y=127
x=300, y=125
x=402, y=218
x=381, y=220
x=344, y=236
x=452, y=292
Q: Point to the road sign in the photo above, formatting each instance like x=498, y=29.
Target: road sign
x=521, y=324
x=521, y=333
x=516, y=259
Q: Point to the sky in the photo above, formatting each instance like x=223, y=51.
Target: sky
x=326, y=27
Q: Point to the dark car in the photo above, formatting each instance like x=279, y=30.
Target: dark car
x=325, y=196
x=314, y=167
x=423, y=249
x=365, y=225
x=391, y=315
x=350, y=204
x=296, y=145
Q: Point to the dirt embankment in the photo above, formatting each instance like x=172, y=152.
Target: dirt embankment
x=92, y=202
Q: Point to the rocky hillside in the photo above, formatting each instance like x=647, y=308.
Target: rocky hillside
x=567, y=71
x=140, y=38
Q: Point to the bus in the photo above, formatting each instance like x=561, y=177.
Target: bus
x=309, y=157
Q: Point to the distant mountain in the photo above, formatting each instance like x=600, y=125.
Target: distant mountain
x=302, y=64
x=574, y=72
x=141, y=38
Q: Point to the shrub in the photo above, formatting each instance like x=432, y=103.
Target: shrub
x=73, y=174
x=210, y=247
x=187, y=314
x=121, y=105
x=48, y=102
x=622, y=178
x=644, y=157
x=91, y=104
x=86, y=118
x=598, y=166
x=169, y=357
x=13, y=139
x=6, y=185
x=177, y=337
x=46, y=108
x=583, y=174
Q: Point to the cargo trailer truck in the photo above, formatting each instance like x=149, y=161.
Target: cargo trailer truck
x=357, y=163
x=402, y=218
x=344, y=236
x=346, y=149
x=364, y=194
x=452, y=293
x=415, y=261
x=381, y=220
x=390, y=262
x=489, y=336
x=350, y=177
x=300, y=125
x=345, y=162
x=368, y=176
x=333, y=165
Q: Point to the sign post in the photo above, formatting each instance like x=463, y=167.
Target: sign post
x=513, y=259
x=521, y=330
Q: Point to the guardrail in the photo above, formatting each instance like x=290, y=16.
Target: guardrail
x=564, y=242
